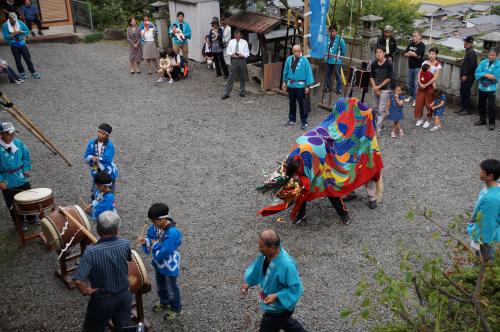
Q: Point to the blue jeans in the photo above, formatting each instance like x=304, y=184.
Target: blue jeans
x=412, y=81
x=338, y=78
x=168, y=291
x=13, y=77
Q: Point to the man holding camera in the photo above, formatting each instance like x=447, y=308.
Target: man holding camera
x=238, y=50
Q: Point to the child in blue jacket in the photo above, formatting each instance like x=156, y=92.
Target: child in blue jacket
x=162, y=241
x=99, y=156
x=104, y=198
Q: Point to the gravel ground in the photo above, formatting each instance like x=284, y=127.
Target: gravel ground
x=182, y=145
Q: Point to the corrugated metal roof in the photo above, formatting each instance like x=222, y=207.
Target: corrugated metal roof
x=254, y=22
x=493, y=36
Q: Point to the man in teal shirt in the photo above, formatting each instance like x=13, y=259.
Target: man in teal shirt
x=15, y=166
x=336, y=49
x=484, y=227
x=15, y=33
x=297, y=77
x=488, y=75
x=180, y=40
x=276, y=273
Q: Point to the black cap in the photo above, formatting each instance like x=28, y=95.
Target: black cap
x=179, y=14
x=103, y=178
x=469, y=39
x=106, y=128
x=158, y=211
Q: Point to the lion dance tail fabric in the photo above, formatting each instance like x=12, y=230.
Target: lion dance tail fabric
x=336, y=157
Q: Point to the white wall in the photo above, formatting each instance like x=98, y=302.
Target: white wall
x=198, y=15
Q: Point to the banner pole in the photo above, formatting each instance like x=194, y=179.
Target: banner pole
x=305, y=39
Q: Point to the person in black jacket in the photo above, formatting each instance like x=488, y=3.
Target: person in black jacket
x=467, y=72
x=388, y=43
x=217, y=45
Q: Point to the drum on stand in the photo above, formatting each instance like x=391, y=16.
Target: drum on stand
x=137, y=274
x=59, y=231
x=32, y=202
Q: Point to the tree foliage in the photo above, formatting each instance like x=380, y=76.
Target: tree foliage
x=108, y=13
x=398, y=13
x=433, y=292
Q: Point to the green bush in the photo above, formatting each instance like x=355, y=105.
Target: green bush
x=116, y=13
x=450, y=291
x=93, y=37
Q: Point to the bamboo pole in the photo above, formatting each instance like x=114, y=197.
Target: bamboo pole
x=25, y=125
x=85, y=231
x=35, y=128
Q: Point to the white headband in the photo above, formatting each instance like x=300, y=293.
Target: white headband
x=163, y=217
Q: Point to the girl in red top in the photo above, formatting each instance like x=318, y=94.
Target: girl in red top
x=427, y=77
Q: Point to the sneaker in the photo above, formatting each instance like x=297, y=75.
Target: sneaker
x=435, y=128
x=25, y=227
x=159, y=80
x=345, y=220
x=480, y=123
x=23, y=76
x=339, y=92
x=426, y=125
x=407, y=100
x=170, y=81
x=36, y=76
x=419, y=123
x=393, y=134
x=18, y=81
x=413, y=105
x=491, y=126
x=160, y=307
x=351, y=196
x=304, y=126
x=372, y=204
x=401, y=133
x=224, y=97
x=40, y=33
x=291, y=123
x=242, y=95
x=173, y=314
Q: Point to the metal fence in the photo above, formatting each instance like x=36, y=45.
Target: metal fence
x=82, y=14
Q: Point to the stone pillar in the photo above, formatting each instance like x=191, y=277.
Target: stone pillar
x=161, y=19
x=369, y=35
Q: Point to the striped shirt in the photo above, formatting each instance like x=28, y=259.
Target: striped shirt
x=105, y=265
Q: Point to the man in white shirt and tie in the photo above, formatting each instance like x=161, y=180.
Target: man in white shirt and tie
x=237, y=49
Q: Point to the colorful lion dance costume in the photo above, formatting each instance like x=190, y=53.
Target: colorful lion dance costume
x=335, y=158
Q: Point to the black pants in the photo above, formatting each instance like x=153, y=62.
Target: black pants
x=102, y=308
x=29, y=24
x=8, y=196
x=298, y=96
x=282, y=321
x=465, y=94
x=220, y=63
x=23, y=51
x=486, y=106
x=337, y=203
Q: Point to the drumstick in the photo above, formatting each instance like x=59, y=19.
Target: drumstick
x=83, y=202
x=77, y=224
x=142, y=234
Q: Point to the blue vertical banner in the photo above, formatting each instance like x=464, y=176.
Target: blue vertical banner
x=318, y=40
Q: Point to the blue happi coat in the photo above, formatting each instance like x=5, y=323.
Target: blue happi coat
x=281, y=278
x=331, y=54
x=186, y=30
x=301, y=77
x=485, y=225
x=105, y=162
x=486, y=84
x=166, y=258
x=102, y=202
x=13, y=165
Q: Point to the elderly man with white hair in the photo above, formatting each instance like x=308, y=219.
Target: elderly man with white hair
x=15, y=33
x=105, y=265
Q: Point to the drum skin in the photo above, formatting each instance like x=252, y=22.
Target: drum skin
x=53, y=224
x=137, y=274
x=28, y=202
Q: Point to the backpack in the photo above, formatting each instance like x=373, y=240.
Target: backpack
x=184, y=66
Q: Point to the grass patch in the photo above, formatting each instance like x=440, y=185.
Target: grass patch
x=93, y=37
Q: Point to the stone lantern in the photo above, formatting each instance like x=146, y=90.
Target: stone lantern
x=369, y=34
x=161, y=18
